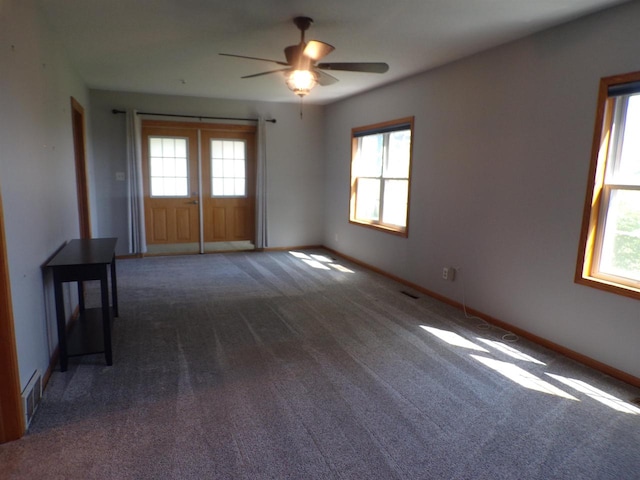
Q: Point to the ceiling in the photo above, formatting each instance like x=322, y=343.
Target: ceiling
x=172, y=46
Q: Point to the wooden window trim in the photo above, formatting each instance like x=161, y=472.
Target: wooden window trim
x=399, y=231
x=592, y=212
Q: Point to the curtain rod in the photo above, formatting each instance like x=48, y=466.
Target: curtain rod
x=194, y=116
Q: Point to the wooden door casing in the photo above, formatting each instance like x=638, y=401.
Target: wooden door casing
x=80, y=156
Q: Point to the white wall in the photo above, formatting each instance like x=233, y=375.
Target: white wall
x=37, y=171
x=501, y=152
x=295, y=196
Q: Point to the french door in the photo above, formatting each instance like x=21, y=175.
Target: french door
x=199, y=186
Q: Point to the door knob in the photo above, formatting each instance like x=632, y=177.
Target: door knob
x=195, y=202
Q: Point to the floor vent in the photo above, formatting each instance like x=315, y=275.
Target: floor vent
x=31, y=396
x=409, y=294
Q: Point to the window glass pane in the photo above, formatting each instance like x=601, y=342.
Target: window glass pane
x=181, y=168
x=239, y=150
x=368, y=199
x=228, y=168
x=181, y=148
x=156, y=167
x=239, y=168
x=227, y=150
x=217, y=187
x=239, y=186
x=168, y=167
x=216, y=148
x=169, y=186
x=228, y=186
x=397, y=164
x=216, y=168
x=621, y=242
x=157, y=189
x=168, y=147
x=155, y=147
x=628, y=168
x=181, y=187
x=368, y=162
x=395, y=202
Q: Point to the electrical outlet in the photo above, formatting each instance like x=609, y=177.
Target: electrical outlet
x=448, y=273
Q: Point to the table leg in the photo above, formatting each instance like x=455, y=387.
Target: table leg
x=81, y=296
x=62, y=324
x=106, y=318
x=114, y=286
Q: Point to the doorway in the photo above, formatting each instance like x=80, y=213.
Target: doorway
x=199, y=187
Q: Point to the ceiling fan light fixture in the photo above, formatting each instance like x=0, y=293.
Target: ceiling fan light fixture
x=301, y=82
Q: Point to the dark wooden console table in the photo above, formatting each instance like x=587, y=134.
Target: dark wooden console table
x=79, y=261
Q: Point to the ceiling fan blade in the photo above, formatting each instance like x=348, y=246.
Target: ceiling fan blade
x=254, y=58
x=324, y=78
x=266, y=73
x=315, y=50
x=367, y=67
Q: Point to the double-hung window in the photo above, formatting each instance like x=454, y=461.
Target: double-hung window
x=380, y=175
x=610, y=245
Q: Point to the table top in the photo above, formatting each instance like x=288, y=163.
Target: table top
x=90, y=251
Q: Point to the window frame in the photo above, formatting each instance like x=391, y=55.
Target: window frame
x=378, y=128
x=598, y=194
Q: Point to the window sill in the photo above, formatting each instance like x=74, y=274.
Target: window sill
x=609, y=286
x=399, y=231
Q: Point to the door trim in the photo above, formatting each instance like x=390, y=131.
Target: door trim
x=80, y=156
x=11, y=414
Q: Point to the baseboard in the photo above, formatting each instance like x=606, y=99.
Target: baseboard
x=567, y=352
x=55, y=356
x=129, y=256
x=284, y=249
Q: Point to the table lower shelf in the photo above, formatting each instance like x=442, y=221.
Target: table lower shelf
x=86, y=336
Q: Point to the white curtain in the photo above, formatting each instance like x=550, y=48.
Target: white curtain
x=261, y=187
x=135, y=199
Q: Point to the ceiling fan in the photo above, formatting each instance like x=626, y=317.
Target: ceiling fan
x=301, y=70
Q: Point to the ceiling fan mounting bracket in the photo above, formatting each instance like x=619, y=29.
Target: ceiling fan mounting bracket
x=303, y=23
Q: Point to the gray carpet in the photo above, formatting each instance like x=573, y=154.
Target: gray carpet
x=275, y=366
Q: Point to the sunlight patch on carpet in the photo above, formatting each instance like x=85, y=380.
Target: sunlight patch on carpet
x=522, y=377
x=598, y=395
x=320, y=262
x=509, y=350
x=453, y=339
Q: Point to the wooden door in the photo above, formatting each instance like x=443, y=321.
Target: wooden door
x=170, y=183
x=228, y=184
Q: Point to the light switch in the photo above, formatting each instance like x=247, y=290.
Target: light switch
x=120, y=176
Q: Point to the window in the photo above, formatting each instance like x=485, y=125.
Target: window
x=380, y=175
x=228, y=169
x=168, y=167
x=609, y=255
